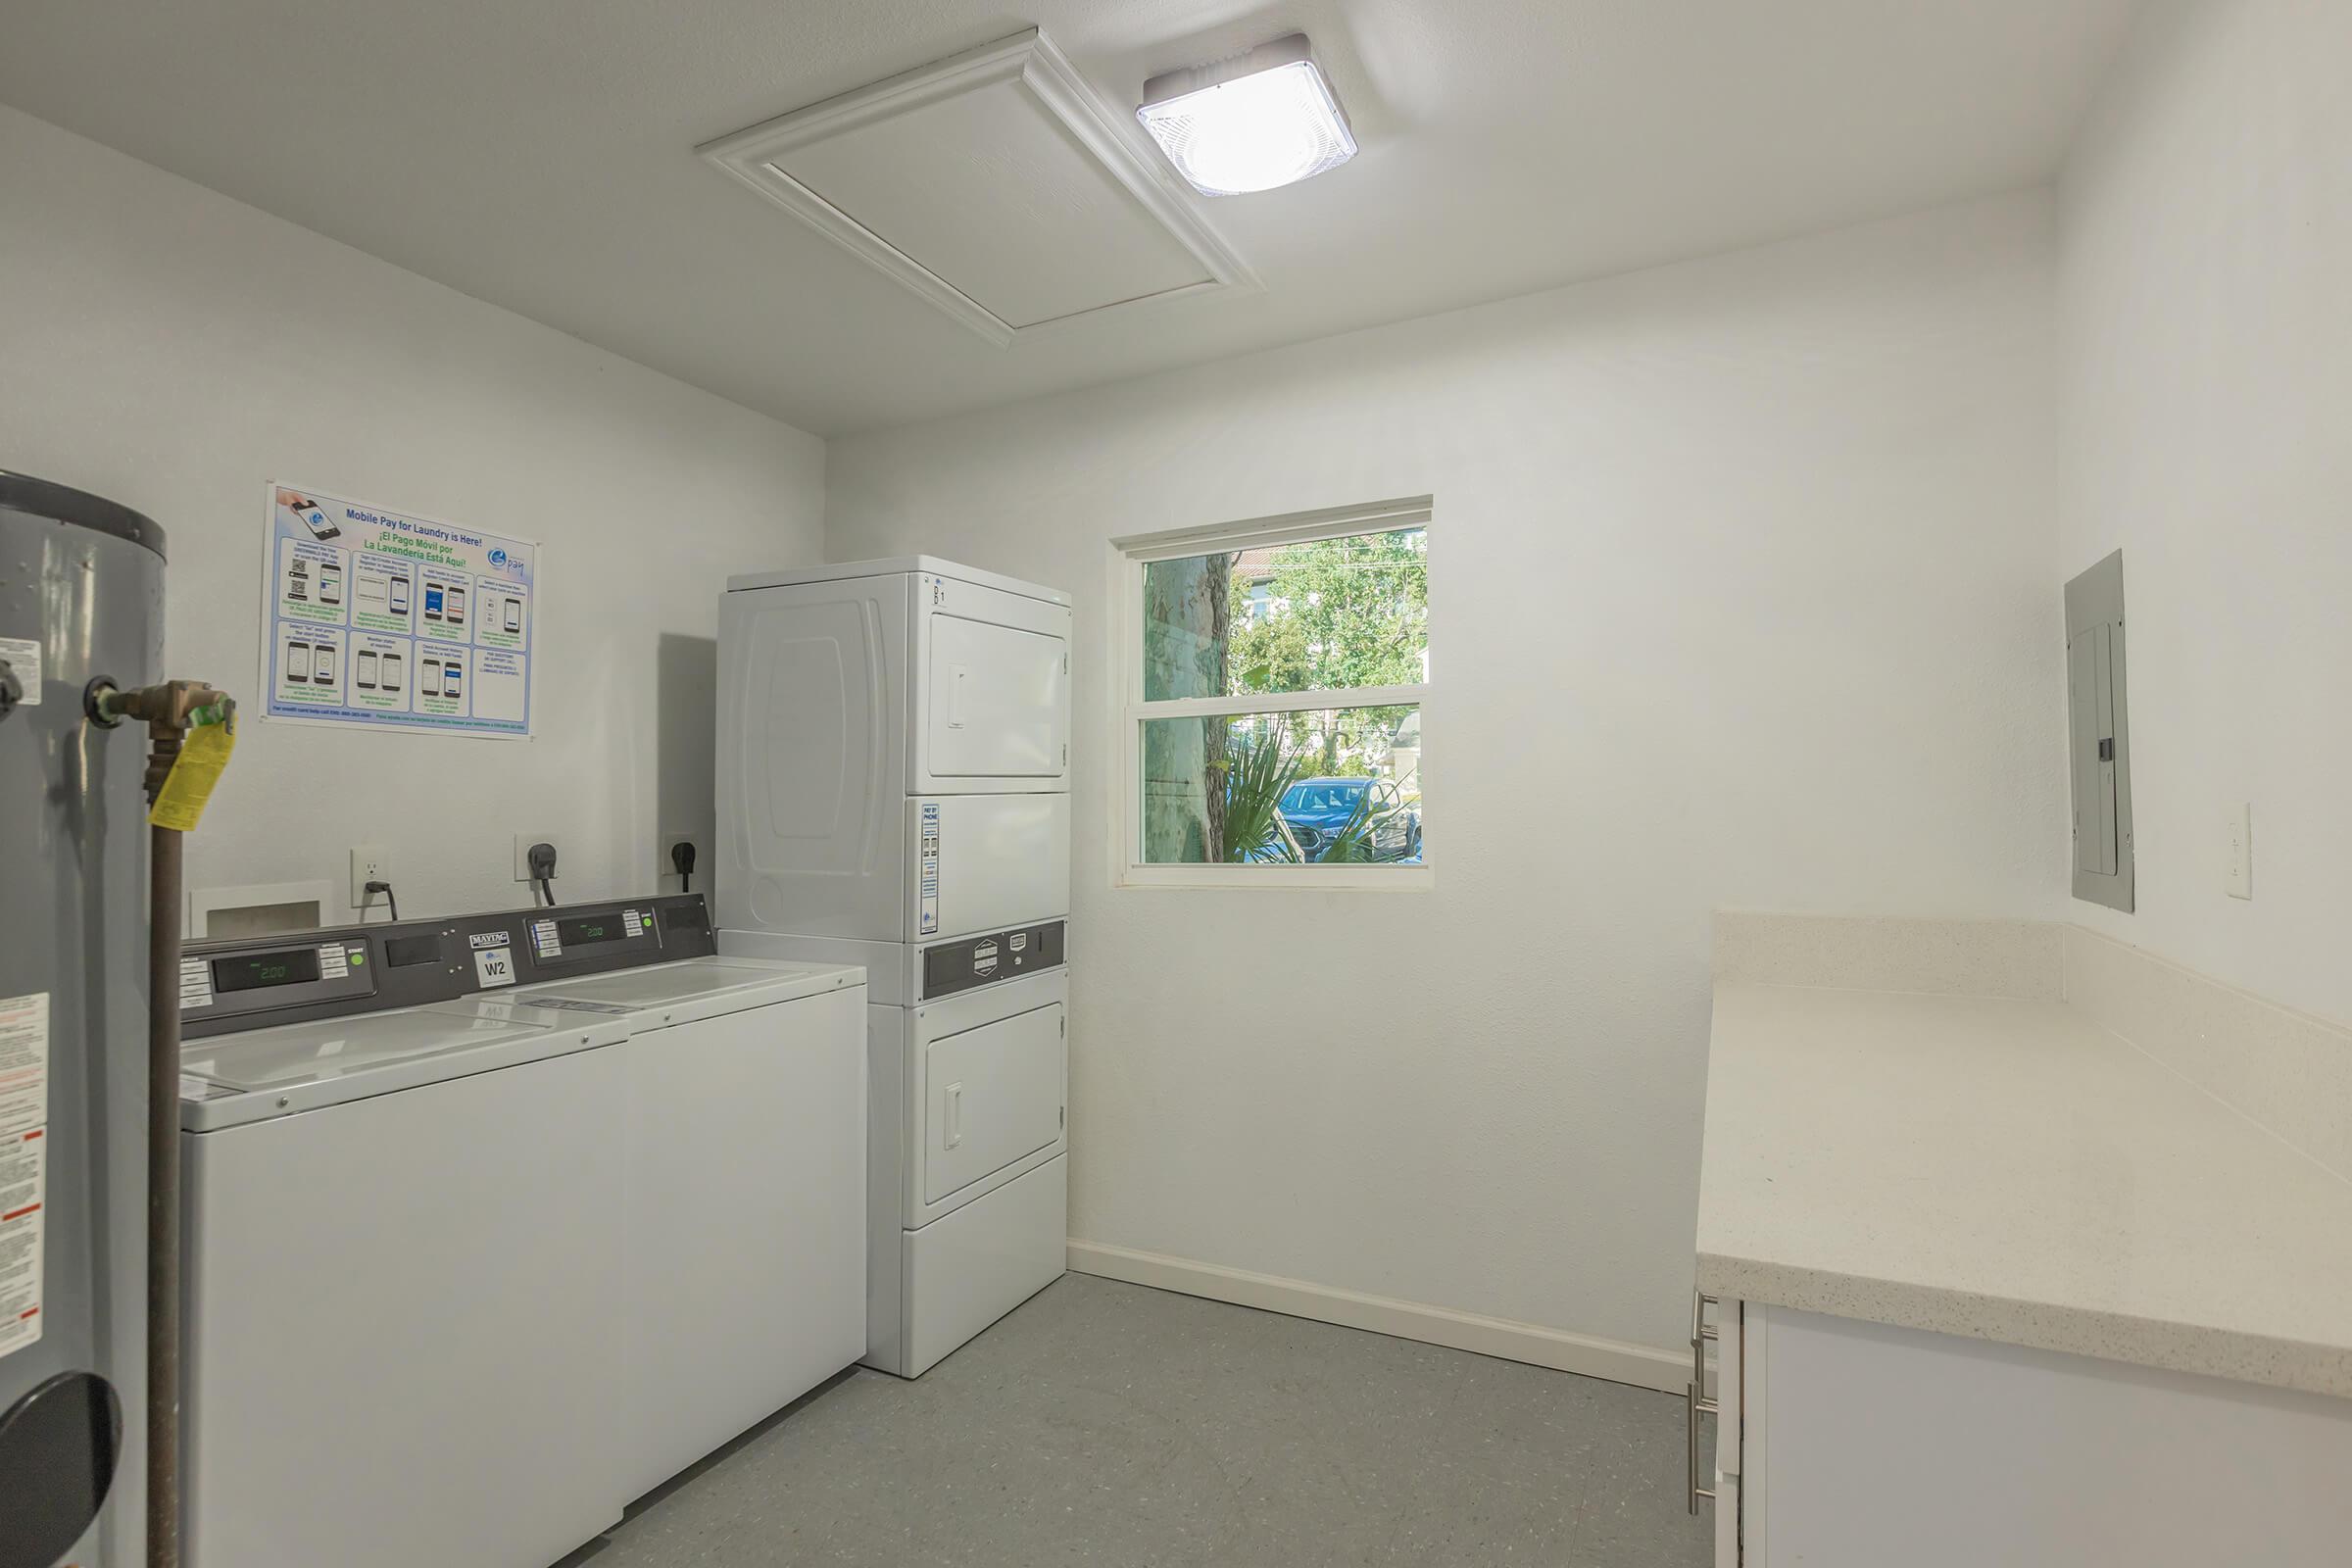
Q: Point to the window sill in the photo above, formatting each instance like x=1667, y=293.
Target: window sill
x=1294, y=878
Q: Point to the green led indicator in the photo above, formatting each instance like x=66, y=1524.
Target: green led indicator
x=358, y=958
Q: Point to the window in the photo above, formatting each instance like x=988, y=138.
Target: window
x=1271, y=702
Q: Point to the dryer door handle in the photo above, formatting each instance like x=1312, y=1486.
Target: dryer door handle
x=951, y=1132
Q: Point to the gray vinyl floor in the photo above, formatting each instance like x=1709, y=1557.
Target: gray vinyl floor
x=1109, y=1424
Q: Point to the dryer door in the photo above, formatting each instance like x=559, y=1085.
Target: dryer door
x=995, y=709
x=992, y=1097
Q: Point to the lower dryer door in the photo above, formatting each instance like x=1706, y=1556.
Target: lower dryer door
x=994, y=1071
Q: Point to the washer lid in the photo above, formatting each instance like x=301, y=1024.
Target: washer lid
x=282, y=1070
x=688, y=990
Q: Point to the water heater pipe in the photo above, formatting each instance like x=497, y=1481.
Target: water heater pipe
x=167, y=709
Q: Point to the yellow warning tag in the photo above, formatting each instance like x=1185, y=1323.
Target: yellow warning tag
x=202, y=759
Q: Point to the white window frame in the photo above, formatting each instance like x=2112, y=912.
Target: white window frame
x=1130, y=711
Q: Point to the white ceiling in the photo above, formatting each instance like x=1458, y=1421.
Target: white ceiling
x=539, y=153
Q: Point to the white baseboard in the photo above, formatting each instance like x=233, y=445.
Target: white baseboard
x=1640, y=1365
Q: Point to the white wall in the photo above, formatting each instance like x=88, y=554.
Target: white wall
x=2207, y=308
x=173, y=350
x=1741, y=596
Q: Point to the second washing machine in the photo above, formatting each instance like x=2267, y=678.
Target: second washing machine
x=744, y=1161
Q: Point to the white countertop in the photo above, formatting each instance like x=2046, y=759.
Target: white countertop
x=2009, y=1171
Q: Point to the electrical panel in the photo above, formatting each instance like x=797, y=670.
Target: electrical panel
x=2098, y=737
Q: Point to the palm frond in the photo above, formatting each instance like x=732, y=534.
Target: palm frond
x=1260, y=772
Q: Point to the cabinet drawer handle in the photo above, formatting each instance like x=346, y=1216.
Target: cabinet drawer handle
x=1694, y=1407
x=1703, y=1334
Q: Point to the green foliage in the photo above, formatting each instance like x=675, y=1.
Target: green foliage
x=1332, y=613
x=1260, y=769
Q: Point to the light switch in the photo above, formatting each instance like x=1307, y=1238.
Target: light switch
x=2238, y=878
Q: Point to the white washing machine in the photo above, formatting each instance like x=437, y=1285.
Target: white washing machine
x=402, y=1291
x=469, y=1272
x=894, y=793
x=744, y=1205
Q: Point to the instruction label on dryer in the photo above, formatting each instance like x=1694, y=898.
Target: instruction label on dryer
x=380, y=619
x=927, y=880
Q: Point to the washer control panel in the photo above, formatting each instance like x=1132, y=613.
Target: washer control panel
x=254, y=982
x=591, y=933
x=523, y=947
x=243, y=979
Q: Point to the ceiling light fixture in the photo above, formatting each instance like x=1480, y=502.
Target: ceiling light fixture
x=1259, y=119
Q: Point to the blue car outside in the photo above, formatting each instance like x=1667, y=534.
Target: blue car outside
x=1318, y=809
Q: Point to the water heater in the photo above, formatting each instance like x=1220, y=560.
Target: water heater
x=81, y=587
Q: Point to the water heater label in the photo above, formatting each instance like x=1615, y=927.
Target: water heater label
x=927, y=882
x=24, y=655
x=23, y=1162
x=24, y=1063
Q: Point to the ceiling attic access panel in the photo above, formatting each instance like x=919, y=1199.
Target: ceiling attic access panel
x=996, y=186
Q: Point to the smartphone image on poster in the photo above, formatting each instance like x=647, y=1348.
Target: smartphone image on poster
x=399, y=596
x=514, y=614
x=453, y=680
x=457, y=606
x=364, y=668
x=392, y=664
x=432, y=677
x=324, y=668
x=315, y=520
x=331, y=585
x=433, y=597
x=298, y=660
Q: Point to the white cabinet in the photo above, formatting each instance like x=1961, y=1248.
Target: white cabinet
x=1851, y=1445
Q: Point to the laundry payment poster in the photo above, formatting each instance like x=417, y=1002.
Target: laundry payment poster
x=393, y=622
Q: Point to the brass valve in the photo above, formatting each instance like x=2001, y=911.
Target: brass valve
x=168, y=709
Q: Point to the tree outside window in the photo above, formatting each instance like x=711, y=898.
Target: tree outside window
x=1279, y=668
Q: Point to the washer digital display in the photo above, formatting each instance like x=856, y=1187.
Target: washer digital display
x=250, y=971
x=585, y=929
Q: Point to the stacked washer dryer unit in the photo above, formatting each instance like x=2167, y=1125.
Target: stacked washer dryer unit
x=893, y=792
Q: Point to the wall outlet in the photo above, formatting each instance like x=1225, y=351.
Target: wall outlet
x=522, y=854
x=370, y=862
x=667, y=870
x=2238, y=876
